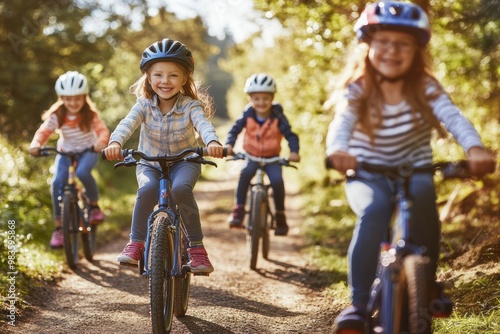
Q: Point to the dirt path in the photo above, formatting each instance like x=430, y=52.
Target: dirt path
x=102, y=297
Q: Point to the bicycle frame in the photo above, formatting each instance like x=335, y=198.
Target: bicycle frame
x=77, y=204
x=165, y=208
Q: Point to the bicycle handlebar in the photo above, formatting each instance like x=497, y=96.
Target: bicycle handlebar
x=261, y=161
x=449, y=169
x=181, y=156
x=46, y=151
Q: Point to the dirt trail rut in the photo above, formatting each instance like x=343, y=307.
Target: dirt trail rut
x=103, y=297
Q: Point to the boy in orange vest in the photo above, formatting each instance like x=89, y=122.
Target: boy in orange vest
x=265, y=125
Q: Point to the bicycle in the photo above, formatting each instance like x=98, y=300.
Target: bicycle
x=165, y=258
x=75, y=212
x=260, y=210
x=401, y=295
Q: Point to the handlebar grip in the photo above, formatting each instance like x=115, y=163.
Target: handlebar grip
x=203, y=151
x=103, y=155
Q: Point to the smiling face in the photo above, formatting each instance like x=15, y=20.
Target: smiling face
x=391, y=53
x=262, y=103
x=73, y=104
x=166, y=79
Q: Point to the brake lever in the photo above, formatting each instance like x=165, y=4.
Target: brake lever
x=129, y=161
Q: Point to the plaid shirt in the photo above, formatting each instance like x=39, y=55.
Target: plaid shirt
x=165, y=133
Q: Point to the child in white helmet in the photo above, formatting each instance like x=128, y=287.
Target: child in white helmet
x=265, y=125
x=76, y=120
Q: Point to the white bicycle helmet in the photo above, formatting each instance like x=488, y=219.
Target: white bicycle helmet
x=261, y=83
x=167, y=49
x=71, y=83
x=394, y=15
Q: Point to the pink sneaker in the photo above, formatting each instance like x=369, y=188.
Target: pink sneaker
x=199, y=262
x=57, y=239
x=96, y=216
x=131, y=254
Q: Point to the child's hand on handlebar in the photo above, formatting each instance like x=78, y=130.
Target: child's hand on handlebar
x=229, y=149
x=113, y=151
x=294, y=157
x=481, y=162
x=215, y=149
x=342, y=161
x=34, y=151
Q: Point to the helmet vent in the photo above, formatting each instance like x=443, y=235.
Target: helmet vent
x=415, y=14
x=395, y=10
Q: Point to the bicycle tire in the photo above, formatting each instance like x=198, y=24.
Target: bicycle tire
x=182, y=284
x=70, y=225
x=161, y=285
x=89, y=241
x=393, y=312
x=418, y=279
x=254, y=225
x=266, y=242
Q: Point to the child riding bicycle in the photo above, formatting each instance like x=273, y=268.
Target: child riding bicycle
x=75, y=118
x=265, y=125
x=389, y=105
x=170, y=111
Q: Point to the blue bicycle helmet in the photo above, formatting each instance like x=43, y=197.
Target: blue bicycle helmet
x=393, y=15
x=167, y=49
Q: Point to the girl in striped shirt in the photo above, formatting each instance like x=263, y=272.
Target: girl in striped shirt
x=388, y=105
x=76, y=120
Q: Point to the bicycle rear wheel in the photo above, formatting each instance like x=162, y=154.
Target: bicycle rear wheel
x=418, y=277
x=161, y=284
x=255, y=225
x=70, y=222
x=182, y=284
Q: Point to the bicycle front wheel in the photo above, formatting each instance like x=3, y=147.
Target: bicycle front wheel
x=70, y=222
x=89, y=240
x=161, y=284
x=182, y=284
x=418, y=278
x=255, y=223
x=266, y=242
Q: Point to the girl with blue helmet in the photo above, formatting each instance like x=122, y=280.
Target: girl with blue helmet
x=388, y=105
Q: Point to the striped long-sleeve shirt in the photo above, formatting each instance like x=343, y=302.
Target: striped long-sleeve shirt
x=165, y=133
x=401, y=139
x=71, y=137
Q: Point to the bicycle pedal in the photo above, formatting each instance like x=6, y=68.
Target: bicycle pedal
x=201, y=274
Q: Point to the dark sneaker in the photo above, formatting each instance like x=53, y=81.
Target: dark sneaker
x=237, y=217
x=281, y=225
x=199, y=262
x=441, y=305
x=131, y=254
x=351, y=320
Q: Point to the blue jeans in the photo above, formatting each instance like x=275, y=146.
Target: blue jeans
x=372, y=198
x=274, y=173
x=86, y=163
x=184, y=176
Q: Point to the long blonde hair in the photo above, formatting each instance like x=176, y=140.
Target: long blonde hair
x=370, y=103
x=88, y=112
x=192, y=88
